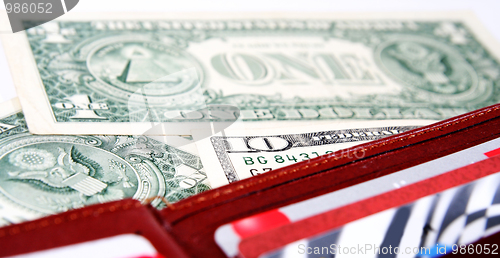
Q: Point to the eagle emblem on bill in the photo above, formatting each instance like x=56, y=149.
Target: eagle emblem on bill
x=69, y=172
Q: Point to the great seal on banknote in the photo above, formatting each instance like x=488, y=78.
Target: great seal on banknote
x=48, y=174
x=137, y=69
x=431, y=70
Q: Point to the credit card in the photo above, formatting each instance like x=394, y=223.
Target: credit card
x=230, y=235
x=431, y=226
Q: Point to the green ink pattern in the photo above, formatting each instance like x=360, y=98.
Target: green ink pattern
x=137, y=71
x=51, y=174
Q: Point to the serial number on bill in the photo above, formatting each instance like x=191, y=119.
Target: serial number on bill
x=250, y=164
x=280, y=159
x=265, y=163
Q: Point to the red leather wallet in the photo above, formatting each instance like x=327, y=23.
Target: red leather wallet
x=186, y=228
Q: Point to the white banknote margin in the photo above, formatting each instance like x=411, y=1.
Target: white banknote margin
x=10, y=107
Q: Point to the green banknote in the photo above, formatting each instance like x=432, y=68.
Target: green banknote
x=122, y=74
x=47, y=174
x=238, y=154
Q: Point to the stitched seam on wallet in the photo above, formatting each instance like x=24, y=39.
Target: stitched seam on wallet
x=68, y=218
x=329, y=160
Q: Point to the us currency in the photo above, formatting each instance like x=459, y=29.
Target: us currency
x=240, y=154
x=123, y=74
x=48, y=174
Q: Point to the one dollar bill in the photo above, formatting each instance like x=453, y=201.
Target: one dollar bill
x=47, y=174
x=122, y=74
